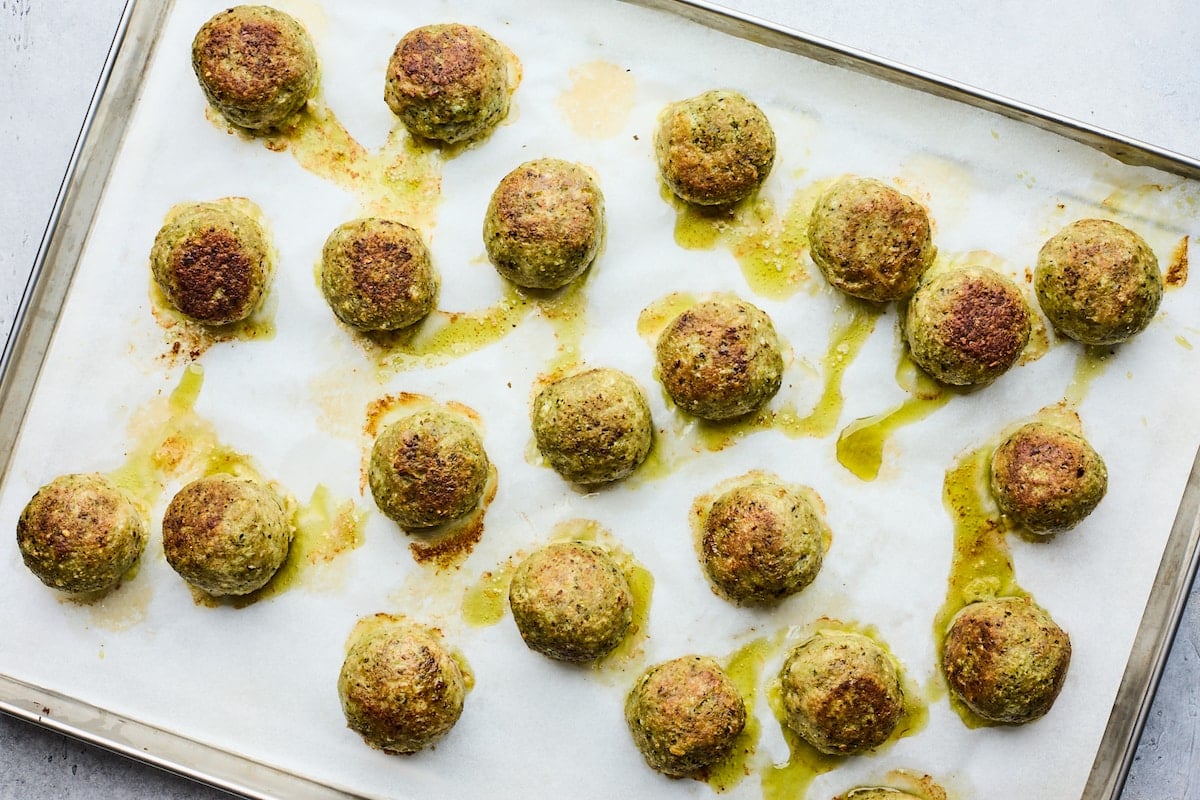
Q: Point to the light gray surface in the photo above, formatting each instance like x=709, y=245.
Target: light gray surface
x=1112, y=63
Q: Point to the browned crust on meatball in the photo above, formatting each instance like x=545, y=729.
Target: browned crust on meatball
x=214, y=276
x=1047, y=478
x=376, y=275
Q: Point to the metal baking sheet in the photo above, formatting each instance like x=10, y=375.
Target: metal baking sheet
x=992, y=183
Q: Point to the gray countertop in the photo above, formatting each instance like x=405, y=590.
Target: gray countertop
x=1125, y=66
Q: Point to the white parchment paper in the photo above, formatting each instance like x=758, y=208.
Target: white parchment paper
x=261, y=680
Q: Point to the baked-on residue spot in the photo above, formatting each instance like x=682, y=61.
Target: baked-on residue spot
x=1177, y=269
x=600, y=99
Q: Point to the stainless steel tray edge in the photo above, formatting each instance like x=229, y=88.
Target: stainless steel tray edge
x=65, y=238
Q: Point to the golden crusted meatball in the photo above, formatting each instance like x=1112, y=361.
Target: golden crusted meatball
x=256, y=65
x=1098, y=282
x=211, y=262
x=684, y=715
x=876, y=793
x=1047, y=478
x=841, y=693
x=544, y=223
x=428, y=468
x=720, y=358
x=869, y=240
x=400, y=688
x=967, y=326
x=226, y=535
x=1006, y=659
x=571, y=602
x=376, y=275
x=80, y=533
x=761, y=542
x=715, y=148
x=593, y=427
x=448, y=82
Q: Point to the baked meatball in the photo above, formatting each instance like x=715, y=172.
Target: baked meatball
x=876, y=793
x=80, y=533
x=401, y=689
x=967, y=326
x=1098, y=282
x=544, y=223
x=684, y=715
x=593, y=427
x=376, y=275
x=256, y=65
x=869, y=240
x=1047, y=478
x=571, y=602
x=841, y=693
x=211, y=262
x=1006, y=659
x=761, y=542
x=720, y=359
x=225, y=535
x=715, y=148
x=448, y=82
x=428, y=468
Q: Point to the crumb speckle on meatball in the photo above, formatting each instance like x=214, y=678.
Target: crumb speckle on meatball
x=869, y=240
x=571, y=602
x=376, y=275
x=761, y=542
x=448, y=82
x=256, y=65
x=1047, y=477
x=715, y=148
x=1098, y=282
x=593, y=427
x=876, y=793
x=684, y=715
x=967, y=326
x=1006, y=659
x=226, y=535
x=841, y=693
x=428, y=468
x=544, y=223
x=211, y=262
x=720, y=359
x=80, y=533
x=400, y=688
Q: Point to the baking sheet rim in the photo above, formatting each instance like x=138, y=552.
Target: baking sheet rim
x=21, y=362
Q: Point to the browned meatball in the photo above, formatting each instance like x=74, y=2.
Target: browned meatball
x=1006, y=659
x=256, y=65
x=80, y=533
x=841, y=693
x=684, y=715
x=448, y=82
x=967, y=326
x=720, y=359
x=869, y=240
x=876, y=793
x=1047, y=478
x=714, y=148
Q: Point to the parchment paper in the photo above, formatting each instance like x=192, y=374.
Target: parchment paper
x=260, y=680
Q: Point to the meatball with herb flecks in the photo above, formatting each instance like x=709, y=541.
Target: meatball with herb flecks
x=967, y=326
x=869, y=240
x=571, y=602
x=1098, y=282
x=256, y=65
x=544, y=223
x=211, y=262
x=376, y=275
x=841, y=693
x=448, y=82
x=80, y=533
x=226, y=535
x=720, y=359
x=428, y=468
x=684, y=715
x=715, y=148
x=593, y=427
x=400, y=688
x=1006, y=659
x=1047, y=477
x=876, y=793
